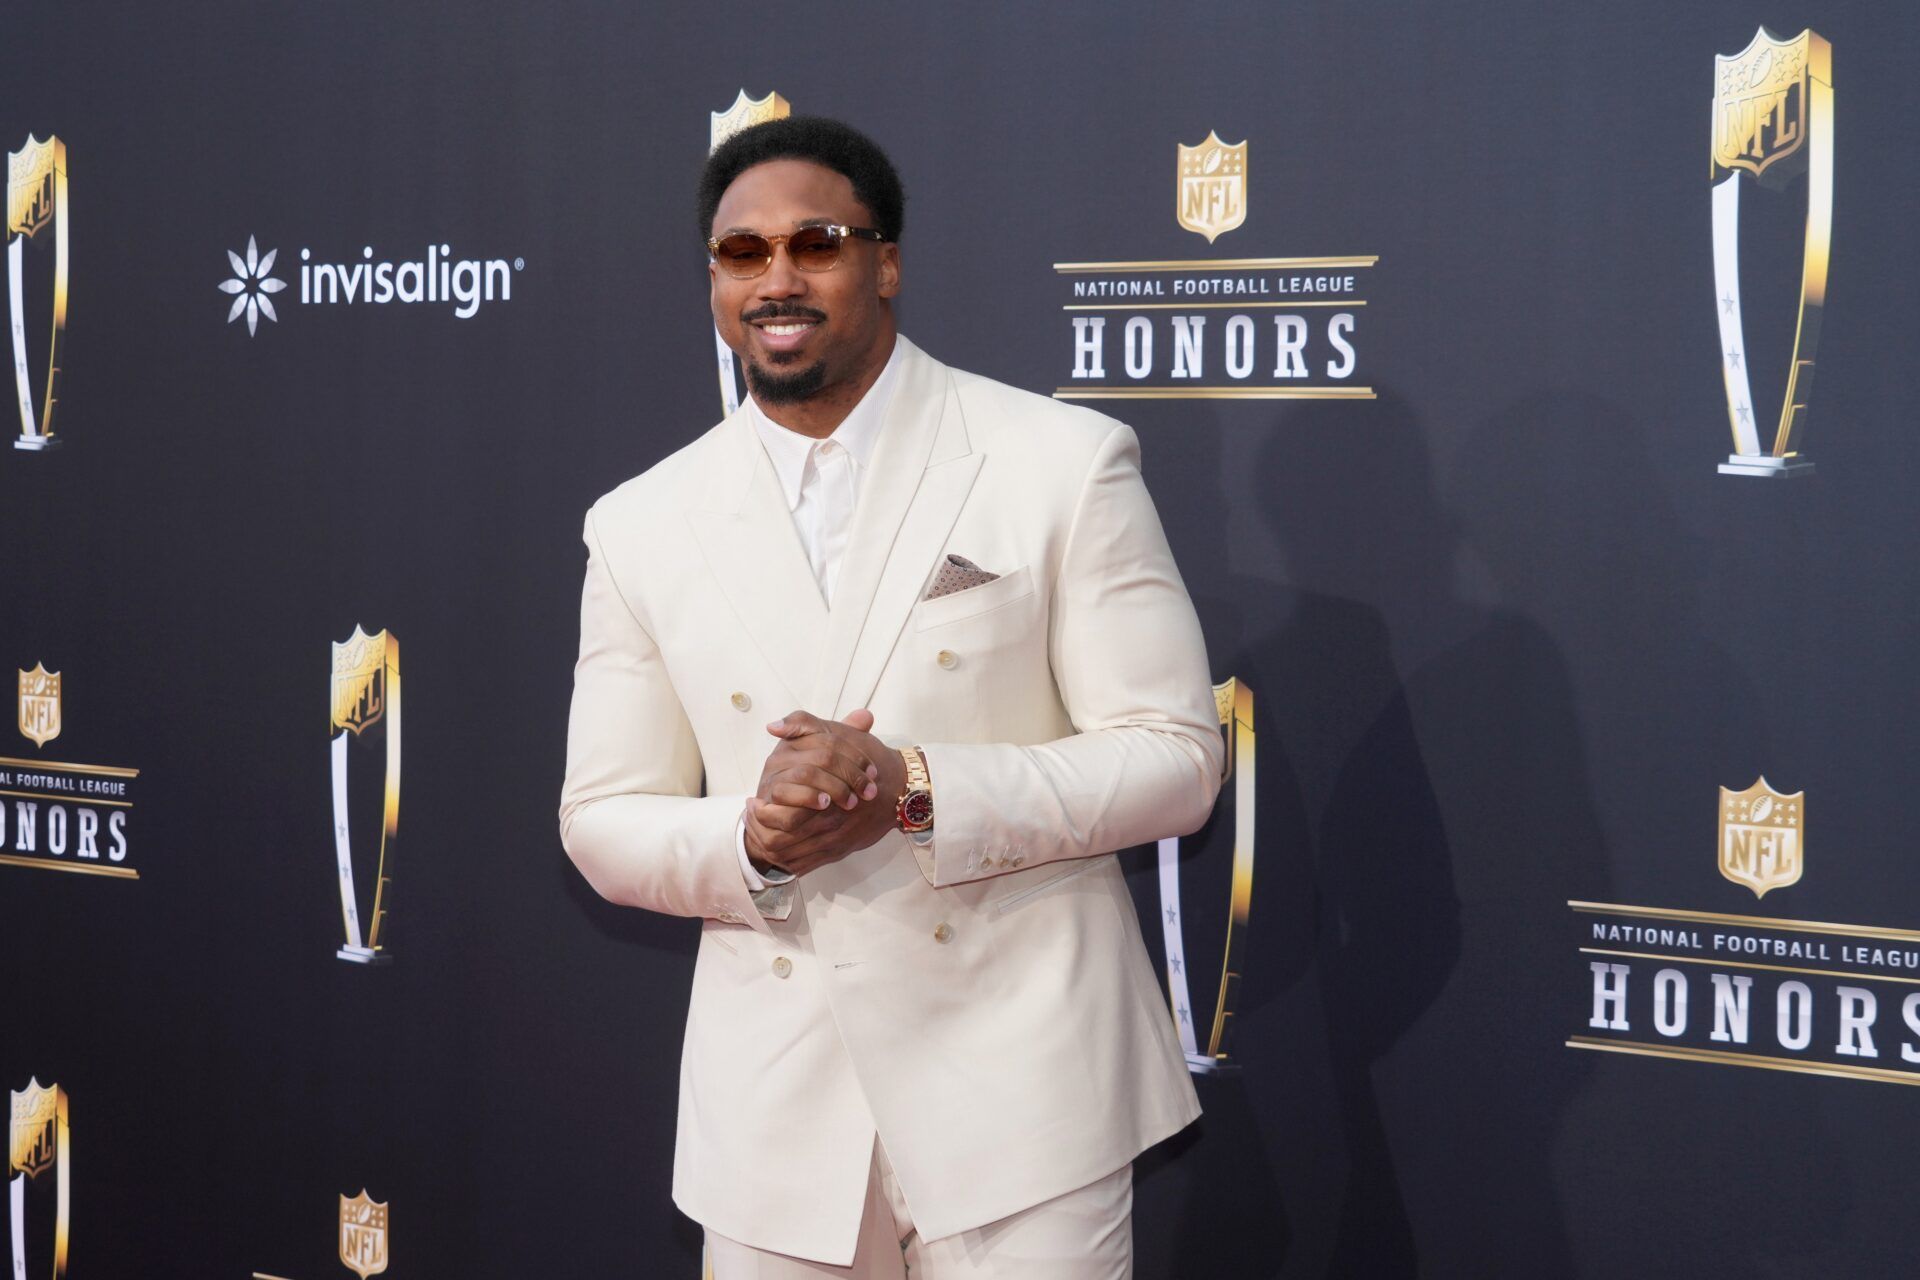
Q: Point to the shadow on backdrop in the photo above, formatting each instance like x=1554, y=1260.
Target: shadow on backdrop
x=1349, y=501
x=1661, y=710
x=1442, y=942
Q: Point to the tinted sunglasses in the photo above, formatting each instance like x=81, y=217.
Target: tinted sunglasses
x=746, y=254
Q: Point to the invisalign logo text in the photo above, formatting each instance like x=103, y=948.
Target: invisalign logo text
x=463, y=283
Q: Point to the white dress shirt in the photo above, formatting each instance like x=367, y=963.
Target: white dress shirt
x=821, y=481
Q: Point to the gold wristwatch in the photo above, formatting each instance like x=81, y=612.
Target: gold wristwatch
x=915, y=808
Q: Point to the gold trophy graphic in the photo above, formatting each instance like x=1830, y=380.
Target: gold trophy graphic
x=1235, y=703
x=743, y=114
x=39, y=1181
x=365, y=692
x=1772, y=122
x=37, y=213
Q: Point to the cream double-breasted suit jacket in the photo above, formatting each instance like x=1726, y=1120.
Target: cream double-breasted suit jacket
x=986, y=1005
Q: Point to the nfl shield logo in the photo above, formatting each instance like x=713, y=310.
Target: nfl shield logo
x=363, y=1235
x=359, y=685
x=33, y=1131
x=1212, y=192
x=1762, y=837
x=31, y=186
x=744, y=114
x=40, y=704
x=1760, y=102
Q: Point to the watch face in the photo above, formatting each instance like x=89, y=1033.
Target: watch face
x=916, y=810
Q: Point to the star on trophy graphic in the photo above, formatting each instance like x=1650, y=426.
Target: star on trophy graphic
x=366, y=694
x=37, y=274
x=743, y=114
x=1772, y=123
x=39, y=1181
x=1234, y=701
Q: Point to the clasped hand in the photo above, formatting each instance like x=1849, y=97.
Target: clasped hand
x=829, y=788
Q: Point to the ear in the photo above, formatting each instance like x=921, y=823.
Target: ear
x=889, y=270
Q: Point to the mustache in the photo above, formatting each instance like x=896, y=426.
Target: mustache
x=782, y=311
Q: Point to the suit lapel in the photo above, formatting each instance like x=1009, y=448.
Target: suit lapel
x=943, y=491
x=755, y=554
x=921, y=474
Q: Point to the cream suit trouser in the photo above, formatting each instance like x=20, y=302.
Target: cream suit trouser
x=1082, y=1235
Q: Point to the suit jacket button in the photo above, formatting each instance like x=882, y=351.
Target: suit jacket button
x=942, y=931
x=1016, y=859
x=948, y=659
x=741, y=702
x=782, y=966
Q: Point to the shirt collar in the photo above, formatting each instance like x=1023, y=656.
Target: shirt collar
x=858, y=433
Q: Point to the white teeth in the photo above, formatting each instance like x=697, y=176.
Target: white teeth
x=782, y=330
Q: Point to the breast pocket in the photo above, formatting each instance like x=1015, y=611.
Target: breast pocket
x=1007, y=589
x=972, y=663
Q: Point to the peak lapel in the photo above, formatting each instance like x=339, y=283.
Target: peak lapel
x=921, y=474
x=754, y=551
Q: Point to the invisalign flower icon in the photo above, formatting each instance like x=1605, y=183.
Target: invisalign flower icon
x=250, y=286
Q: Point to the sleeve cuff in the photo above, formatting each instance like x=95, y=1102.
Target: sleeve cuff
x=771, y=898
x=756, y=881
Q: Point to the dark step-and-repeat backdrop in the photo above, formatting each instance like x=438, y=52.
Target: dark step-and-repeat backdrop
x=1528, y=392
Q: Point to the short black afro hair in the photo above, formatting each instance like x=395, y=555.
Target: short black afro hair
x=825, y=142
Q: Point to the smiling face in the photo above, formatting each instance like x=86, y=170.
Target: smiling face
x=813, y=337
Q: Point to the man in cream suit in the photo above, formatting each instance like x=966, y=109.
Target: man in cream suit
x=874, y=678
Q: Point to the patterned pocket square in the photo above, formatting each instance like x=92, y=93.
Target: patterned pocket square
x=957, y=574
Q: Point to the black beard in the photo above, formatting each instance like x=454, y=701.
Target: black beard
x=785, y=388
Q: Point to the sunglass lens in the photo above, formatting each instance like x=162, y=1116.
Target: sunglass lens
x=742, y=255
x=814, y=248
